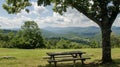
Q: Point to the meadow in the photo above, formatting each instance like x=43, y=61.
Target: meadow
x=34, y=57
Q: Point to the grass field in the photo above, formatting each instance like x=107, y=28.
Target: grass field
x=33, y=58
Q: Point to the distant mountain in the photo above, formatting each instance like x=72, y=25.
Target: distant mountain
x=116, y=30
x=72, y=31
x=75, y=31
x=69, y=32
x=7, y=31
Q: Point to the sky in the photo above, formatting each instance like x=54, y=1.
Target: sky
x=45, y=17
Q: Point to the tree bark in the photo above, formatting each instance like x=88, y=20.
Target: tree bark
x=106, y=45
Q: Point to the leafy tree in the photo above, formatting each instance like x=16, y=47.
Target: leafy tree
x=102, y=12
x=30, y=36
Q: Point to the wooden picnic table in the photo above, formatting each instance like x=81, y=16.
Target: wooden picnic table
x=76, y=55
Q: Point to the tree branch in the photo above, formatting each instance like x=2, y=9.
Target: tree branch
x=86, y=14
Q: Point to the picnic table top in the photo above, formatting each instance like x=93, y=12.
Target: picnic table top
x=65, y=53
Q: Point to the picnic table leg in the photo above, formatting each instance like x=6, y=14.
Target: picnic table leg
x=50, y=59
x=83, y=61
x=74, y=63
x=55, y=64
x=80, y=55
x=50, y=63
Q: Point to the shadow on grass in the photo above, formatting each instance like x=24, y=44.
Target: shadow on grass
x=95, y=63
x=64, y=65
x=7, y=58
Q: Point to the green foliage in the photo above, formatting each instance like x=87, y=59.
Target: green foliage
x=63, y=44
x=115, y=41
x=28, y=37
x=4, y=39
x=15, y=6
x=95, y=44
x=23, y=40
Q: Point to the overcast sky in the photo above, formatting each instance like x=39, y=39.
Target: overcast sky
x=45, y=17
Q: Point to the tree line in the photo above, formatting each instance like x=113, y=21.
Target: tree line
x=64, y=43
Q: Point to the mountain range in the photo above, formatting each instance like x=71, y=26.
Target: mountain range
x=69, y=32
x=75, y=31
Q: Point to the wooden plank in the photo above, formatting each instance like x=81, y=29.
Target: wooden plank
x=65, y=53
x=60, y=56
x=70, y=59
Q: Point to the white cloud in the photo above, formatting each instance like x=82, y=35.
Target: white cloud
x=38, y=10
x=117, y=21
x=34, y=10
x=71, y=18
x=14, y=22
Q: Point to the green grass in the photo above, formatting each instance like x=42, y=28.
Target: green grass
x=33, y=58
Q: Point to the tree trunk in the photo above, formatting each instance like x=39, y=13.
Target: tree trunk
x=106, y=45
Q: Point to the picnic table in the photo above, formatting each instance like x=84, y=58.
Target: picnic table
x=75, y=55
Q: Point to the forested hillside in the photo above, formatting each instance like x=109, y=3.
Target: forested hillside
x=67, y=37
x=75, y=31
x=70, y=31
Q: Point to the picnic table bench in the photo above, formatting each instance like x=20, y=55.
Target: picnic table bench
x=66, y=56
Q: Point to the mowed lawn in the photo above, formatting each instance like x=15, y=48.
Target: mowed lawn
x=33, y=57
